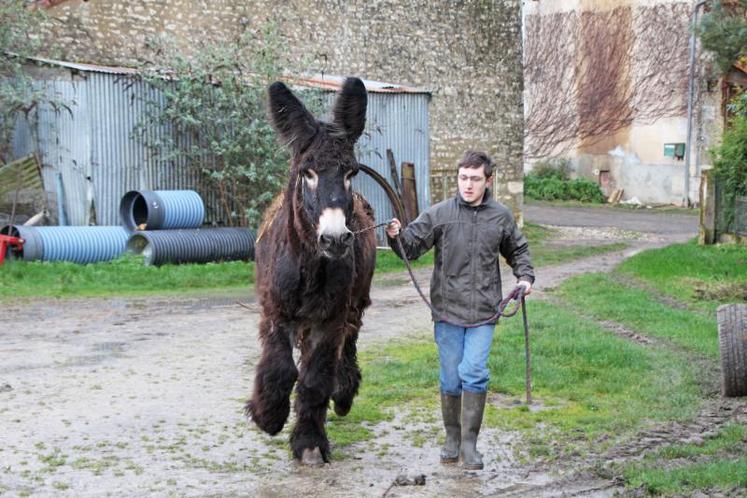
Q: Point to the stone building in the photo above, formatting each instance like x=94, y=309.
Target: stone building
x=467, y=53
x=607, y=87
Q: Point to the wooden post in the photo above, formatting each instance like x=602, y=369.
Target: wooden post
x=409, y=191
x=707, y=229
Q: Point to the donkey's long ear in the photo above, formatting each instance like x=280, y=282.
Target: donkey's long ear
x=295, y=125
x=349, y=113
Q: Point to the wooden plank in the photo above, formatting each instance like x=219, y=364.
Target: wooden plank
x=22, y=173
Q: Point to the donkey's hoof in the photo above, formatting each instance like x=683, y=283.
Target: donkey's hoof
x=342, y=408
x=312, y=457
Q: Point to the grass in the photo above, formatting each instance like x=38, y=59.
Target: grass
x=600, y=296
x=595, y=386
x=701, y=276
x=594, y=389
x=718, y=463
x=594, y=383
x=123, y=276
x=548, y=255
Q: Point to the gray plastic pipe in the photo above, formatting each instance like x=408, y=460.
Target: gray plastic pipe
x=202, y=245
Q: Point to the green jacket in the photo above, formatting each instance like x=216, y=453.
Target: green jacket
x=466, y=283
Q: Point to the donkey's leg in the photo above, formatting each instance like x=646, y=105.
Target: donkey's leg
x=273, y=381
x=309, y=439
x=348, y=375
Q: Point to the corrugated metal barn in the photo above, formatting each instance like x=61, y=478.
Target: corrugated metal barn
x=91, y=146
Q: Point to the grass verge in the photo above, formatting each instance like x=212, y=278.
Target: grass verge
x=593, y=387
x=700, y=276
x=719, y=463
x=124, y=276
x=601, y=297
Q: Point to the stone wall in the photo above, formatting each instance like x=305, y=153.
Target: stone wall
x=468, y=53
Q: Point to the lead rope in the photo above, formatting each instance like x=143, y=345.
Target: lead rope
x=516, y=295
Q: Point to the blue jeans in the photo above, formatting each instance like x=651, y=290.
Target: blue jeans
x=463, y=355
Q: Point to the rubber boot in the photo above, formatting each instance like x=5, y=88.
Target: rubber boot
x=473, y=406
x=451, y=406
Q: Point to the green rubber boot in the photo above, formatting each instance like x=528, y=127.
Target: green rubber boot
x=451, y=407
x=473, y=407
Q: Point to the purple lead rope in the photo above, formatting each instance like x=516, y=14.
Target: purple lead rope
x=515, y=295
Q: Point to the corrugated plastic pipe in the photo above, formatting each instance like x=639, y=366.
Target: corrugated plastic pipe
x=161, y=209
x=75, y=244
x=193, y=246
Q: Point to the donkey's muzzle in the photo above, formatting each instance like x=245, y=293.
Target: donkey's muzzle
x=336, y=245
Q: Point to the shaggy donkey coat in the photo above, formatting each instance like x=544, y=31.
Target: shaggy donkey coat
x=313, y=273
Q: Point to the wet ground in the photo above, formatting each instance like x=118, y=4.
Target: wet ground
x=144, y=396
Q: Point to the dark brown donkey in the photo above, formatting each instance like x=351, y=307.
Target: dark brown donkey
x=313, y=273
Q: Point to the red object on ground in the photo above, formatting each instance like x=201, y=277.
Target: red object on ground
x=8, y=241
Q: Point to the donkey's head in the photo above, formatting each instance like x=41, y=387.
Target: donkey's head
x=323, y=162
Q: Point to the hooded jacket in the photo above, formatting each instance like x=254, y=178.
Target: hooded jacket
x=466, y=282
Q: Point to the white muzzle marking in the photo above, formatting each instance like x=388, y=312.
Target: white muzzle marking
x=332, y=222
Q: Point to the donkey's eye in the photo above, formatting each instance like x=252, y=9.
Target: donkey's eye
x=311, y=177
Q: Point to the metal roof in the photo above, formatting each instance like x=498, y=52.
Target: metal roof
x=322, y=81
x=95, y=68
x=334, y=83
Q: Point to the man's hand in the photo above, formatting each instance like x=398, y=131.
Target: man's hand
x=393, y=228
x=527, y=286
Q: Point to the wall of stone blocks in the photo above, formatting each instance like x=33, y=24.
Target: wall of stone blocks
x=468, y=53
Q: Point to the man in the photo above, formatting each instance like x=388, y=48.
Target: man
x=469, y=232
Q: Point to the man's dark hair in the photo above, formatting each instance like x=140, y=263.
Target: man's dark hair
x=474, y=159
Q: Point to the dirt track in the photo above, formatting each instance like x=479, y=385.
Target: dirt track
x=129, y=397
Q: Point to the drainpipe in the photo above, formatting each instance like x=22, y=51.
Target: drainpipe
x=690, y=97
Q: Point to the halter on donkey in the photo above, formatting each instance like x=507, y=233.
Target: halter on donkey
x=313, y=275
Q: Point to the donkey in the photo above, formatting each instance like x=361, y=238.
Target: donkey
x=313, y=273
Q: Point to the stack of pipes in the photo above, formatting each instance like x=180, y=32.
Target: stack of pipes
x=162, y=225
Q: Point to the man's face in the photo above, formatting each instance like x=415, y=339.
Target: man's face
x=472, y=184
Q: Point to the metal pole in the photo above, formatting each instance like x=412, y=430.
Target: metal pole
x=690, y=96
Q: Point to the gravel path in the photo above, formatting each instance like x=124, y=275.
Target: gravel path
x=128, y=397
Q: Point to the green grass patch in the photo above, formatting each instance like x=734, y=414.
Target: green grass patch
x=123, y=276
x=702, y=276
x=593, y=386
x=388, y=262
x=718, y=463
x=400, y=376
x=722, y=474
x=601, y=297
x=545, y=255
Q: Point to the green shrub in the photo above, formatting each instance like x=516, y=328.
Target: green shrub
x=730, y=163
x=552, y=168
x=19, y=98
x=723, y=31
x=213, y=101
x=555, y=189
